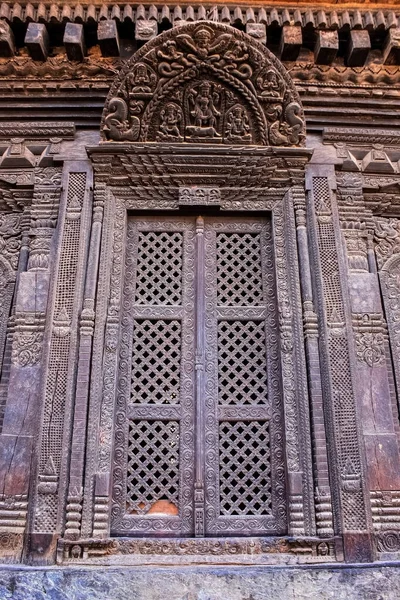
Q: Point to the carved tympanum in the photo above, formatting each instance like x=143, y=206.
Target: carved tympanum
x=204, y=83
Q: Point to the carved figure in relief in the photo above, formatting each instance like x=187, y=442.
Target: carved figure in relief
x=142, y=81
x=289, y=131
x=171, y=123
x=200, y=45
x=172, y=60
x=237, y=125
x=269, y=84
x=236, y=61
x=116, y=123
x=203, y=102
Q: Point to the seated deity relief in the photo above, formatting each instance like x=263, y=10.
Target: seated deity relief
x=204, y=83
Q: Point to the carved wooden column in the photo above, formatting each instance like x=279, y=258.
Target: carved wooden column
x=86, y=329
x=20, y=417
x=294, y=374
x=323, y=502
x=59, y=361
x=347, y=465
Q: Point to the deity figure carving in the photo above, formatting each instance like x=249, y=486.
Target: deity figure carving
x=142, y=81
x=237, y=125
x=171, y=123
x=203, y=101
x=269, y=84
x=203, y=44
x=172, y=61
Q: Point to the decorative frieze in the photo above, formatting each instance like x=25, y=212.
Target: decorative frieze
x=278, y=550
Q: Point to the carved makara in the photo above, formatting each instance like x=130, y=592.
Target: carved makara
x=204, y=83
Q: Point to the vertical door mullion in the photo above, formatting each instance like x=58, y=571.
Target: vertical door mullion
x=199, y=374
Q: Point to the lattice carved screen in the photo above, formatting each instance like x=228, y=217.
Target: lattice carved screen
x=198, y=420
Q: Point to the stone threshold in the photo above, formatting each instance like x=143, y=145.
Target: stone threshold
x=307, y=582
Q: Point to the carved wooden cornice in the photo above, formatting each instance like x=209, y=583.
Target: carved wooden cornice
x=376, y=16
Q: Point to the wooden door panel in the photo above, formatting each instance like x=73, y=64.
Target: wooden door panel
x=154, y=442
x=244, y=473
x=199, y=442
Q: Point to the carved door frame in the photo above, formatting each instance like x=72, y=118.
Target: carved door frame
x=118, y=198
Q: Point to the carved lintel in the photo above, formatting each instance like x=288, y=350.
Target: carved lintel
x=255, y=550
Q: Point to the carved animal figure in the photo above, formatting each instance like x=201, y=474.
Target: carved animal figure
x=287, y=133
x=116, y=123
x=294, y=121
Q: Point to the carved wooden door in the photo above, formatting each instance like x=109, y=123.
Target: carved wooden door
x=198, y=428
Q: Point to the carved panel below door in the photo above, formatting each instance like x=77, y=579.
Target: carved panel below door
x=198, y=427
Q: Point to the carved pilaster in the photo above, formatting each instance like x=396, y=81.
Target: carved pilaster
x=86, y=329
x=322, y=495
x=346, y=460
x=65, y=302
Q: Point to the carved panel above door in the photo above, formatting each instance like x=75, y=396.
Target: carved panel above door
x=204, y=83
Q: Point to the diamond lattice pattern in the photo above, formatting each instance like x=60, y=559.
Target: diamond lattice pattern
x=156, y=358
x=153, y=464
x=159, y=268
x=242, y=363
x=239, y=272
x=245, y=471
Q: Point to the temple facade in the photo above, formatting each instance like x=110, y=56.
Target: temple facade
x=199, y=285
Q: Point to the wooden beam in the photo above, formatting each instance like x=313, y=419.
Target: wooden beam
x=391, y=47
x=358, y=48
x=145, y=29
x=326, y=47
x=37, y=41
x=74, y=41
x=290, y=43
x=258, y=31
x=7, y=42
x=108, y=37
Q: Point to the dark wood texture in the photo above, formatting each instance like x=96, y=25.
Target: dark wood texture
x=199, y=291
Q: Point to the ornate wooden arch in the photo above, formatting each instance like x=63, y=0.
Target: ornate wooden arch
x=204, y=83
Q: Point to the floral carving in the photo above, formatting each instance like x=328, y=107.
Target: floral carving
x=27, y=348
x=370, y=348
x=387, y=239
x=200, y=83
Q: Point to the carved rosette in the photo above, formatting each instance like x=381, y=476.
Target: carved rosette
x=204, y=83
